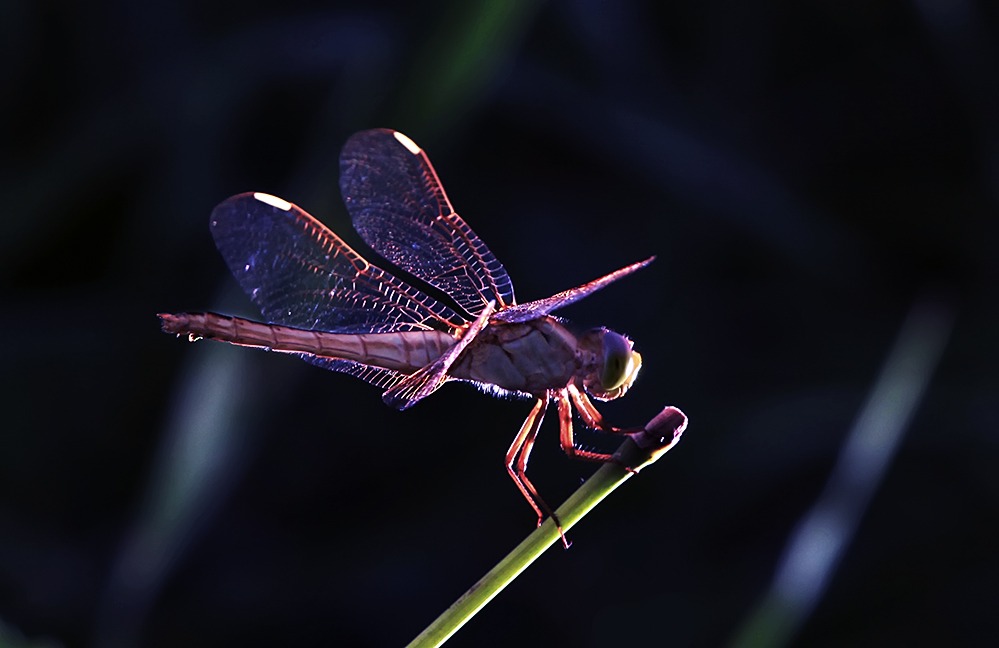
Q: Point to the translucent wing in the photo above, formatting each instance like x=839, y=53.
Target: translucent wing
x=301, y=274
x=540, y=308
x=400, y=209
x=383, y=379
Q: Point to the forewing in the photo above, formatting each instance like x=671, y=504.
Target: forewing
x=399, y=208
x=301, y=274
x=540, y=308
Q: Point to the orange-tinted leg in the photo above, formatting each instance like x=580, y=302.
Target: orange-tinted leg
x=565, y=431
x=591, y=417
x=528, y=430
x=516, y=464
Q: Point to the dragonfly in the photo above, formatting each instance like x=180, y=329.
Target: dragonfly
x=325, y=303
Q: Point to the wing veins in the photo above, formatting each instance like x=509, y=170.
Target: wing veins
x=400, y=208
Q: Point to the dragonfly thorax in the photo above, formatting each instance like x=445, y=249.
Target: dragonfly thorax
x=528, y=357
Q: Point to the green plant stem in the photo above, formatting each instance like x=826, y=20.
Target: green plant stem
x=638, y=451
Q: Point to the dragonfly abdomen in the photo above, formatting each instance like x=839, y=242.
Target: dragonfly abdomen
x=403, y=351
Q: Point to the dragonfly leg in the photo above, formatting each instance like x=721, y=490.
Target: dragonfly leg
x=566, y=435
x=529, y=428
x=516, y=464
x=591, y=417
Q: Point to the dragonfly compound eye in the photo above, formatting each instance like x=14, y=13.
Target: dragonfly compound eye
x=621, y=363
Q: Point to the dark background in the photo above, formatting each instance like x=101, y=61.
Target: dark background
x=805, y=172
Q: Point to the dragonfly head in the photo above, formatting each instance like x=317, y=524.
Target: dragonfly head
x=616, y=364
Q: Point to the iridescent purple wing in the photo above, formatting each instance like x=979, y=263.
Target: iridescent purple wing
x=400, y=209
x=540, y=308
x=301, y=274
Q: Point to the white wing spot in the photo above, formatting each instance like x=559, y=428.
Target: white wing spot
x=273, y=201
x=408, y=143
